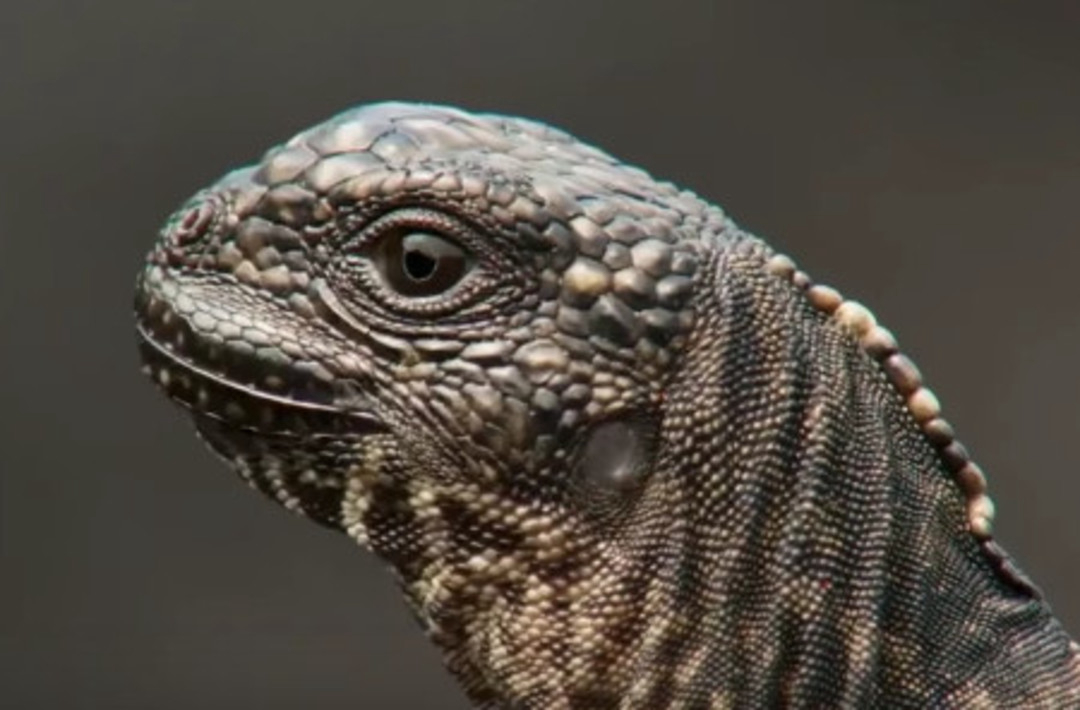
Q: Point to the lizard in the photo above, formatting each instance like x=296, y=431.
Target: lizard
x=617, y=451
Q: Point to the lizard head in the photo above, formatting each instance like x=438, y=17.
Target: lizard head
x=617, y=451
x=448, y=335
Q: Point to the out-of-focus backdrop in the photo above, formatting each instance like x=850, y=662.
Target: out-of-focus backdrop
x=922, y=157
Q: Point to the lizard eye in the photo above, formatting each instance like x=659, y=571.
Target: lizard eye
x=417, y=264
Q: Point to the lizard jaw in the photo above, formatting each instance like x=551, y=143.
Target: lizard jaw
x=227, y=375
x=286, y=432
x=212, y=396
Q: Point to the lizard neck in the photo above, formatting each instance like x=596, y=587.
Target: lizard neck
x=827, y=552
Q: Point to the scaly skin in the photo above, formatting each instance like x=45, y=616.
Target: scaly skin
x=618, y=452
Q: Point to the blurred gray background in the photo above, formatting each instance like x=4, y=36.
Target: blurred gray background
x=921, y=156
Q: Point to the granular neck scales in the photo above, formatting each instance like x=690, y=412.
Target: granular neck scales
x=618, y=452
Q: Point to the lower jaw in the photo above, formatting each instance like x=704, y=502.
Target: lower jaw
x=305, y=473
x=296, y=452
x=230, y=441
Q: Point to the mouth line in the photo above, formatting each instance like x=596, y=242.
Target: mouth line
x=209, y=394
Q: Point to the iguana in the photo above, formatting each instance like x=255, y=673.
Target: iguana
x=618, y=452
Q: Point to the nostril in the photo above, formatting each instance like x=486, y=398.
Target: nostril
x=192, y=224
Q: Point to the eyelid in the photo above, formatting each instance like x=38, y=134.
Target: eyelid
x=415, y=219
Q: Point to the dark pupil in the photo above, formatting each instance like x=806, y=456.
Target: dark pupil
x=420, y=263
